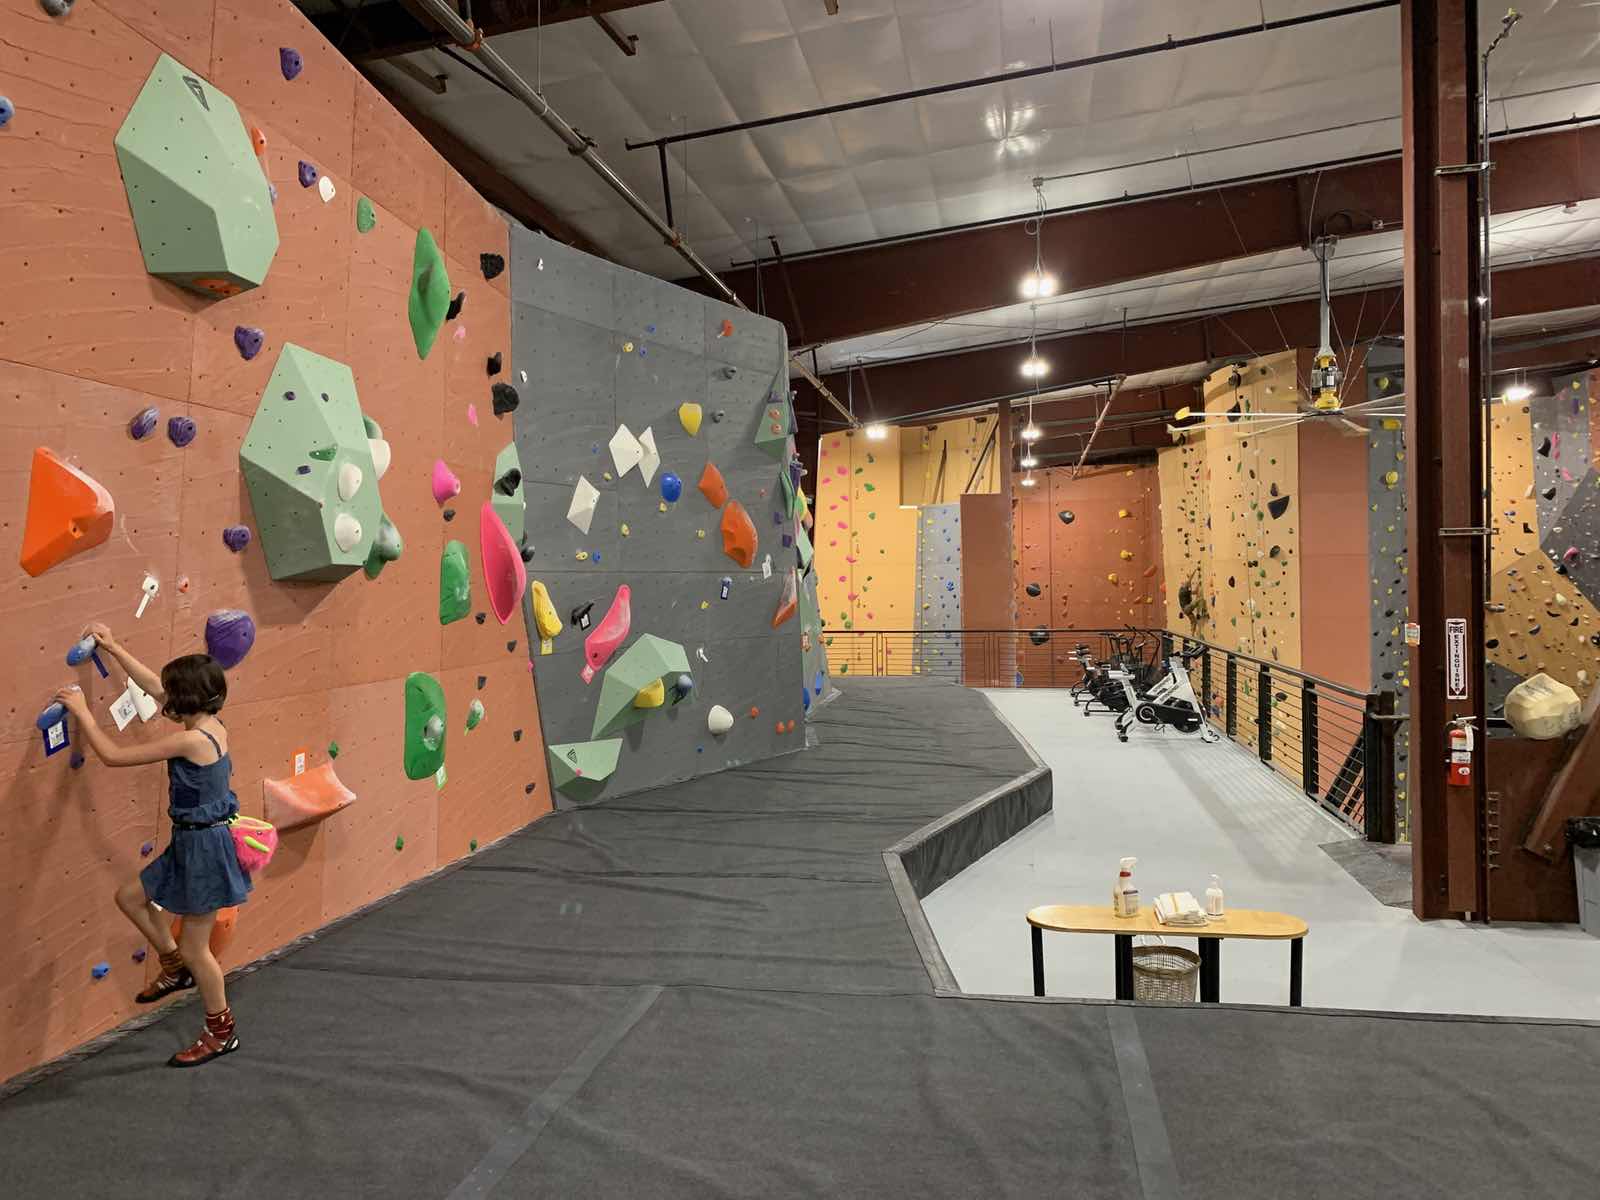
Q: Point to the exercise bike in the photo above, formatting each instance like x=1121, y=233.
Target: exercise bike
x=1103, y=688
x=1170, y=703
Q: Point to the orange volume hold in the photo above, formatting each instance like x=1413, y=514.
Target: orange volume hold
x=738, y=534
x=712, y=487
x=68, y=513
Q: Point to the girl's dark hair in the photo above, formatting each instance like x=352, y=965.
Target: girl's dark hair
x=194, y=684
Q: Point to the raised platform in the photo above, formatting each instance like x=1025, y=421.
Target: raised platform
x=711, y=991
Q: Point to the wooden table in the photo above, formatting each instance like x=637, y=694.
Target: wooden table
x=1238, y=923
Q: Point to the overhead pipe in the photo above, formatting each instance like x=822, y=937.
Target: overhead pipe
x=471, y=38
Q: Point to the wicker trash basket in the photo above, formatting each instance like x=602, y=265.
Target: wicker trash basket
x=1162, y=972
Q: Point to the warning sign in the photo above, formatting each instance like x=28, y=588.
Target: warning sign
x=1455, y=661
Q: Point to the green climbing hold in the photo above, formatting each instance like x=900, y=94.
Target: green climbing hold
x=474, y=714
x=365, y=217
x=387, y=545
x=777, y=422
x=868, y=487
x=424, y=746
x=333, y=749
x=579, y=770
x=324, y=453
x=430, y=293
x=472, y=846
x=650, y=660
x=399, y=842
x=455, y=583
x=872, y=516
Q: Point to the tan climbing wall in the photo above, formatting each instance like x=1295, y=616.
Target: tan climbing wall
x=1101, y=570
x=97, y=341
x=938, y=461
x=866, y=543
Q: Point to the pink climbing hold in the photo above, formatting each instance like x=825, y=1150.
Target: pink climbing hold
x=472, y=415
x=460, y=333
x=445, y=483
x=503, y=571
x=605, y=637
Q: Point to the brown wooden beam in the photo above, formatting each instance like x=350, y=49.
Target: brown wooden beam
x=492, y=183
x=847, y=293
x=389, y=27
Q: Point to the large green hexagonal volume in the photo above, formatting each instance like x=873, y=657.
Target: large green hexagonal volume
x=649, y=659
x=199, y=201
x=579, y=770
x=308, y=465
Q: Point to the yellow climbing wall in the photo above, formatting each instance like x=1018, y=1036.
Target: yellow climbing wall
x=937, y=461
x=866, y=542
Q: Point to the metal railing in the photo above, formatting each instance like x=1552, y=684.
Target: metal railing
x=1335, y=742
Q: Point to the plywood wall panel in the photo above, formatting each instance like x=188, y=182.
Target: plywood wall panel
x=67, y=243
x=305, y=297
x=316, y=109
x=865, y=541
x=86, y=424
x=1335, y=624
x=473, y=227
x=485, y=325
x=169, y=24
x=394, y=165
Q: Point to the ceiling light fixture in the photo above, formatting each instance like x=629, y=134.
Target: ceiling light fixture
x=1038, y=283
x=877, y=431
x=1028, y=462
x=1027, y=481
x=1032, y=433
x=1517, y=391
x=1034, y=367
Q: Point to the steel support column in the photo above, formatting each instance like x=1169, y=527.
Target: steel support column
x=1444, y=437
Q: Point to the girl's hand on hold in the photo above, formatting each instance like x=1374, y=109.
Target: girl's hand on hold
x=100, y=633
x=74, y=701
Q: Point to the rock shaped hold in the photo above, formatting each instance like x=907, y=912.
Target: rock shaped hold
x=380, y=456
x=504, y=398
x=493, y=364
x=304, y=799
x=503, y=571
x=491, y=265
x=144, y=423
x=289, y=62
x=605, y=637
x=652, y=695
x=690, y=416
x=7, y=111
x=68, y=513
x=346, y=532
x=455, y=584
x=445, y=483
x=307, y=173
x=249, y=341
x=430, y=293
x=719, y=720
x=366, y=217
x=180, y=431
x=387, y=546
x=425, y=713
x=712, y=486
x=545, y=620
x=230, y=632
x=1067, y=516
x=349, y=481
x=738, y=534
x=326, y=190
x=671, y=487
x=454, y=311
x=236, y=537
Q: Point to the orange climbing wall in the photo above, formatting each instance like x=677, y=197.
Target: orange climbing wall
x=98, y=340
x=866, y=543
x=1101, y=571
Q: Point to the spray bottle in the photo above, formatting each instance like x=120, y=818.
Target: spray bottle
x=1214, y=898
x=1124, y=892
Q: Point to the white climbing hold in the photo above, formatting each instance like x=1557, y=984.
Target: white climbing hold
x=380, y=456
x=325, y=189
x=719, y=719
x=766, y=567
x=346, y=531
x=649, y=460
x=349, y=481
x=584, y=497
x=700, y=652
x=626, y=452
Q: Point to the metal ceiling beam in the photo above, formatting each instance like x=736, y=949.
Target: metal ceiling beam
x=385, y=28
x=947, y=274
x=948, y=383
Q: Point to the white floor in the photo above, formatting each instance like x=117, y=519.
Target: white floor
x=1189, y=810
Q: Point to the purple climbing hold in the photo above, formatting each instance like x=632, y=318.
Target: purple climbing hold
x=144, y=423
x=788, y=539
x=75, y=760
x=249, y=339
x=308, y=174
x=229, y=635
x=180, y=430
x=289, y=62
x=272, y=192
x=138, y=955
x=147, y=849
x=236, y=537
x=302, y=470
x=777, y=518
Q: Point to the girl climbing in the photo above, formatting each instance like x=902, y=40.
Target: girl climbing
x=199, y=871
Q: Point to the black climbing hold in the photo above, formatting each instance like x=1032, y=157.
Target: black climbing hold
x=526, y=552
x=1549, y=493
x=1067, y=516
x=1033, y=589
x=718, y=415
x=302, y=470
x=505, y=399
x=511, y=646
x=494, y=363
x=288, y=395
x=491, y=265
x=1544, y=447
x=528, y=791
x=56, y=8
x=1526, y=528
x=1231, y=582
x=580, y=615
x=480, y=617
x=454, y=311
x=1235, y=411
x=508, y=483
x=1039, y=636
x=449, y=514
x=482, y=679
x=516, y=735
x=1534, y=629
x=1278, y=507
x=1274, y=552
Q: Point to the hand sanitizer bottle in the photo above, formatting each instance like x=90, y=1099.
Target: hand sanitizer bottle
x=1124, y=892
x=1214, y=898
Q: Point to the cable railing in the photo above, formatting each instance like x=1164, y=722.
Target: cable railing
x=1335, y=742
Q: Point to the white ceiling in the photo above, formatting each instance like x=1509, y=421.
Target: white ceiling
x=917, y=166
x=1358, y=263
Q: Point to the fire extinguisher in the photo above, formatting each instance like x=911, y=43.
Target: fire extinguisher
x=1460, y=756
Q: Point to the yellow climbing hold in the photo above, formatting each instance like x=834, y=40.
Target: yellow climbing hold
x=1127, y=555
x=705, y=604
x=1111, y=578
x=653, y=696
x=545, y=619
x=700, y=533
x=1124, y=513
x=582, y=556
x=1182, y=414
x=1391, y=423
x=627, y=347
x=624, y=529
x=662, y=506
x=689, y=416
x=1390, y=478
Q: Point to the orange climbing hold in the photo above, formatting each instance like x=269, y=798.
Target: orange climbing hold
x=258, y=142
x=738, y=534
x=68, y=513
x=303, y=799
x=754, y=712
x=787, y=603
x=712, y=487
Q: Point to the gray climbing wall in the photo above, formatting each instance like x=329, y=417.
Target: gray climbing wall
x=1386, y=554
x=938, y=590
x=603, y=346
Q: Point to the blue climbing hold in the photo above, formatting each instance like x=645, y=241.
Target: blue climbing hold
x=7, y=111
x=805, y=699
x=671, y=487
x=100, y=970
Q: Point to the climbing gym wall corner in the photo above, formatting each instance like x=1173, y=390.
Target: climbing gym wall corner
x=308, y=464
x=199, y=201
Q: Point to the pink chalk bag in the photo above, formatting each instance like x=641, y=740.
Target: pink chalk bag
x=254, y=841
